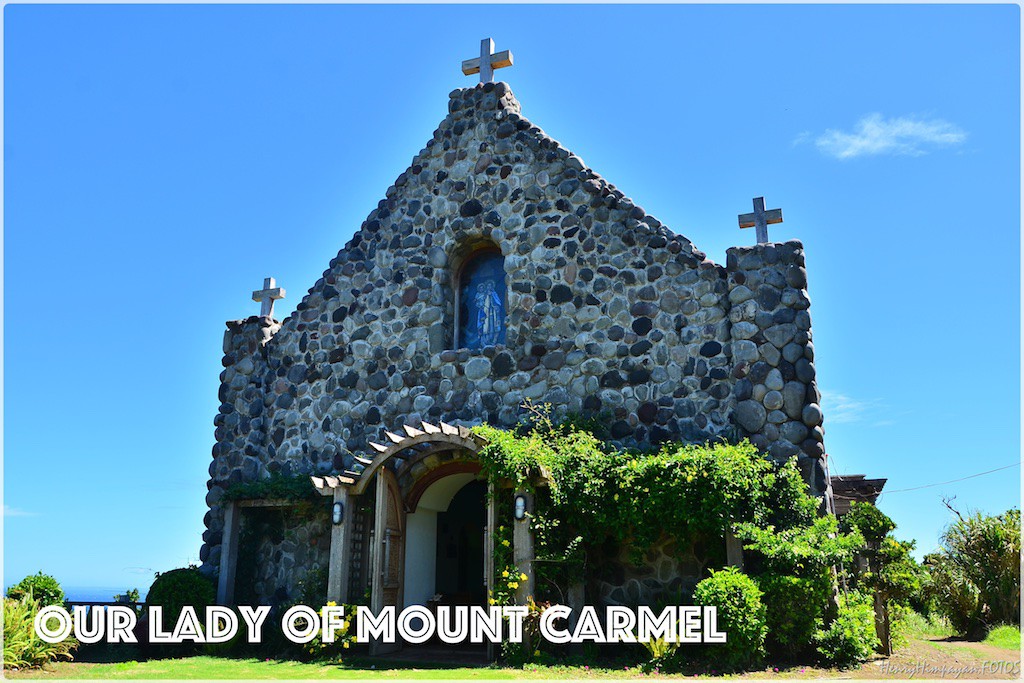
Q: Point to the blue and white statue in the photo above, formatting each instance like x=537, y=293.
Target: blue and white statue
x=490, y=315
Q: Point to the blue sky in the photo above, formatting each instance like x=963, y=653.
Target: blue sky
x=160, y=161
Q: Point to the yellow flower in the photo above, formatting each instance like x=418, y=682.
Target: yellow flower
x=513, y=584
x=506, y=543
x=345, y=645
x=491, y=601
x=523, y=577
x=332, y=603
x=504, y=574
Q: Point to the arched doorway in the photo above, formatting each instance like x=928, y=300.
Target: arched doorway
x=444, y=560
x=411, y=546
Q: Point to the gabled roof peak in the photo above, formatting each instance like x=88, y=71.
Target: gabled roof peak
x=483, y=97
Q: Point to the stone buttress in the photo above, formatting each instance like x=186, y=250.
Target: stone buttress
x=776, y=393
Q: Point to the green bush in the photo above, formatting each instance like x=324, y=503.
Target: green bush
x=180, y=587
x=975, y=579
x=872, y=523
x=22, y=647
x=795, y=607
x=794, y=567
x=230, y=647
x=850, y=639
x=741, y=615
x=41, y=587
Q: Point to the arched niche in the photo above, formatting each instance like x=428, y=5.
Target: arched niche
x=481, y=298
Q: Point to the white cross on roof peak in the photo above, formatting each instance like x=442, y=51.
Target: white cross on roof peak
x=267, y=296
x=487, y=62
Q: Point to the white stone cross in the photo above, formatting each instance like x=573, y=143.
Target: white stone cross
x=487, y=62
x=760, y=219
x=266, y=297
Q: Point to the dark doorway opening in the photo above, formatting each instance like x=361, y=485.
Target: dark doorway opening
x=460, y=548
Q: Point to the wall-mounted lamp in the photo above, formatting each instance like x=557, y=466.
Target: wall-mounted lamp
x=520, y=509
x=338, y=513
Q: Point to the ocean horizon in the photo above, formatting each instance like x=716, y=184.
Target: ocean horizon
x=97, y=593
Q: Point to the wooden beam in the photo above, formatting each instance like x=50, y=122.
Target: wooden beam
x=491, y=526
x=522, y=549
x=228, y=555
x=340, y=557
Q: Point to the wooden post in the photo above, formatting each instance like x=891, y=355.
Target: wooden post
x=522, y=549
x=490, y=526
x=341, y=549
x=228, y=555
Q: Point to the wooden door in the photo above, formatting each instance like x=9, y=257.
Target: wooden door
x=389, y=555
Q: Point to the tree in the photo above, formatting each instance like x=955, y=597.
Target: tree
x=975, y=577
x=888, y=570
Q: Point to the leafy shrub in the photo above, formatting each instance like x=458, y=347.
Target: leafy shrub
x=313, y=588
x=318, y=650
x=794, y=569
x=795, y=608
x=975, y=579
x=41, y=587
x=850, y=639
x=741, y=615
x=180, y=587
x=22, y=647
x=872, y=523
x=230, y=647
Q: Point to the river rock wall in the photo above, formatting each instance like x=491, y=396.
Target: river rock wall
x=609, y=313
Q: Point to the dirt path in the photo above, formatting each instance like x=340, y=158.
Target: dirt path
x=939, y=658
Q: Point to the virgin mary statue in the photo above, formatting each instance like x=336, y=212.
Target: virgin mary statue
x=490, y=315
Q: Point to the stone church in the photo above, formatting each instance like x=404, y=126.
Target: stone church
x=498, y=268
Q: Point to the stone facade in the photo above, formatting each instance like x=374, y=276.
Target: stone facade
x=667, y=573
x=608, y=313
x=284, y=547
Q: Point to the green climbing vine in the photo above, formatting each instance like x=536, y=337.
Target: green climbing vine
x=595, y=493
x=276, y=487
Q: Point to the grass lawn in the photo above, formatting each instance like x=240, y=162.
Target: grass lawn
x=1006, y=637
x=929, y=645
x=221, y=668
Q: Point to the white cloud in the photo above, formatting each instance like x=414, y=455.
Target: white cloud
x=15, y=512
x=803, y=137
x=874, y=135
x=842, y=409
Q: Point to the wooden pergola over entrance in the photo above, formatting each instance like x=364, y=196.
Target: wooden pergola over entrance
x=403, y=470
x=396, y=467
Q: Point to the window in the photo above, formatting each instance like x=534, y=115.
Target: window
x=481, y=300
